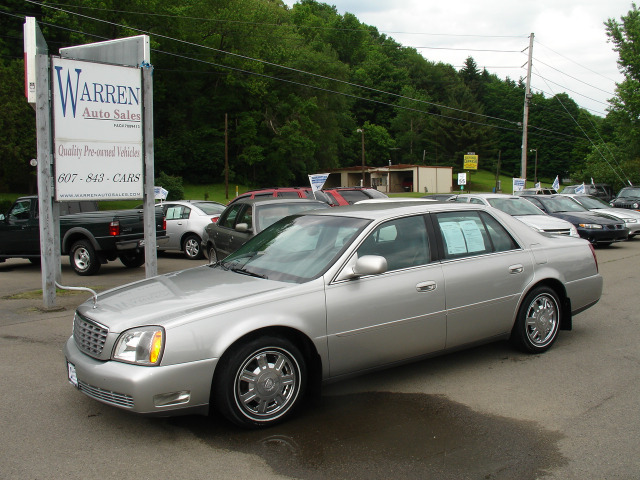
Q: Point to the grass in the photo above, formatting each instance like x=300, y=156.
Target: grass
x=477, y=181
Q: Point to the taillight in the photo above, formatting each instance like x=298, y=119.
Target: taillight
x=595, y=259
x=164, y=223
x=214, y=219
x=114, y=228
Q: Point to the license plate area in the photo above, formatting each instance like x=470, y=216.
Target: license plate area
x=71, y=374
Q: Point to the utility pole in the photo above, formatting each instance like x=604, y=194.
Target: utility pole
x=525, y=119
x=226, y=156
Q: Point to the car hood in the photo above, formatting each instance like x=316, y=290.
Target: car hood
x=587, y=217
x=620, y=212
x=174, y=296
x=543, y=222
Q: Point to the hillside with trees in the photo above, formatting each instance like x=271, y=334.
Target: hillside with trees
x=297, y=83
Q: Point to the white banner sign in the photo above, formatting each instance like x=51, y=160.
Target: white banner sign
x=97, y=131
x=317, y=181
x=518, y=184
x=462, y=179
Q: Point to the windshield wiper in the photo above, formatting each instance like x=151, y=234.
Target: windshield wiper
x=247, y=272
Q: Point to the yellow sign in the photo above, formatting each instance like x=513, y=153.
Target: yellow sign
x=471, y=162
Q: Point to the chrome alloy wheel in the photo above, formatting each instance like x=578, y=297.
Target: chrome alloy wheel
x=192, y=247
x=267, y=384
x=82, y=258
x=542, y=320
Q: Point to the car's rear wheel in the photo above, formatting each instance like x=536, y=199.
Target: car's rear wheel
x=538, y=321
x=260, y=382
x=191, y=247
x=83, y=258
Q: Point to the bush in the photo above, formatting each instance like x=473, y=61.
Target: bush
x=172, y=184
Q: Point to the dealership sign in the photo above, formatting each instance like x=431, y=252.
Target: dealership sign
x=98, y=135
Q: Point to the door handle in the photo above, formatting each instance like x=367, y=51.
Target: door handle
x=426, y=286
x=516, y=269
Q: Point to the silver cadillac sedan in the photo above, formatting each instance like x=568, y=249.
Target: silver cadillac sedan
x=323, y=295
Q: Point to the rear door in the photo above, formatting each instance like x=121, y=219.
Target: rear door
x=177, y=217
x=485, y=272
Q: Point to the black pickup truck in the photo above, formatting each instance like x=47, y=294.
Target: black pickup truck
x=90, y=237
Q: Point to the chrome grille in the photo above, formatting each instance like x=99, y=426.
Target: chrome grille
x=89, y=335
x=106, y=396
x=560, y=231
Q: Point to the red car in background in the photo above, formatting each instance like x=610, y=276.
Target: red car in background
x=335, y=197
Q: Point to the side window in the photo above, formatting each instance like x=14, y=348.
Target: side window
x=228, y=218
x=186, y=211
x=246, y=217
x=466, y=234
x=21, y=210
x=353, y=196
x=174, y=212
x=332, y=198
x=461, y=199
x=288, y=195
x=476, y=201
x=403, y=242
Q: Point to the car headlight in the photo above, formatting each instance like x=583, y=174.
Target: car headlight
x=629, y=220
x=141, y=345
x=635, y=205
x=592, y=226
x=573, y=232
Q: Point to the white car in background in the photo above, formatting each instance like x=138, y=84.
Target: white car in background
x=186, y=221
x=631, y=218
x=521, y=209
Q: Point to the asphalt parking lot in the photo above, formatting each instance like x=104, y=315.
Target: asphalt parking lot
x=485, y=413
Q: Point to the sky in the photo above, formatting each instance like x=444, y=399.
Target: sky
x=571, y=52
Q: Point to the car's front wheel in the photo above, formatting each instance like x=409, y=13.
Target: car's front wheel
x=260, y=382
x=191, y=247
x=538, y=321
x=212, y=254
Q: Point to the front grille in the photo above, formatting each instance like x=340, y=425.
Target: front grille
x=89, y=336
x=561, y=231
x=106, y=396
x=618, y=226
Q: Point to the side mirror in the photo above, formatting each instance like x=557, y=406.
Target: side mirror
x=365, y=265
x=242, y=228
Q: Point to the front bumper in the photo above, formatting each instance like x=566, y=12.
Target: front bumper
x=604, y=235
x=139, y=389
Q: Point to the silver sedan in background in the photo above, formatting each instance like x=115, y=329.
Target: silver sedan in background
x=323, y=295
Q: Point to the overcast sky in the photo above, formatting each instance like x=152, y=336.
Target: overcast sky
x=570, y=53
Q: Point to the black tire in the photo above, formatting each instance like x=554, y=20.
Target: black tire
x=212, y=254
x=191, y=247
x=83, y=258
x=538, y=321
x=132, y=259
x=260, y=383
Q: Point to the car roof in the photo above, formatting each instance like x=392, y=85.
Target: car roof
x=277, y=200
x=374, y=211
x=488, y=195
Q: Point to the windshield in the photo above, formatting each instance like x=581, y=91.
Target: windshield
x=295, y=249
x=592, y=202
x=561, y=204
x=210, y=208
x=515, y=206
x=270, y=213
x=629, y=192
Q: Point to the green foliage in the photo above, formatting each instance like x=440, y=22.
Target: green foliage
x=172, y=184
x=284, y=123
